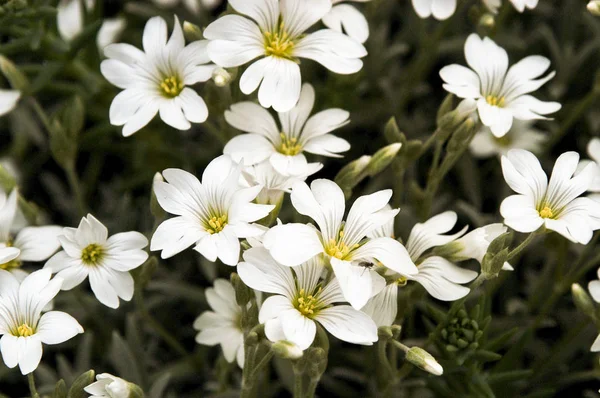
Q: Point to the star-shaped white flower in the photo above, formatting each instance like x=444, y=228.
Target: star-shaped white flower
x=440, y=9
x=222, y=325
x=300, y=299
x=275, y=32
x=284, y=145
x=502, y=94
x=212, y=214
x=555, y=204
x=23, y=326
x=346, y=18
x=88, y=251
x=344, y=244
x=155, y=80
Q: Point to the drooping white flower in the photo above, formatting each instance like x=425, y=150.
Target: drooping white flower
x=346, y=18
x=555, y=204
x=8, y=100
x=88, y=251
x=275, y=32
x=475, y=244
x=284, y=145
x=274, y=184
x=22, y=325
x=502, y=94
x=70, y=18
x=108, y=386
x=212, y=214
x=222, y=325
x=594, y=288
x=155, y=80
x=440, y=9
x=520, y=136
x=28, y=244
x=345, y=244
x=300, y=299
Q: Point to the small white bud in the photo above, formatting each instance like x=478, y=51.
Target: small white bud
x=424, y=360
x=594, y=7
x=221, y=77
x=287, y=349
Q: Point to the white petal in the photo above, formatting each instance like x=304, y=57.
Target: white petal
x=335, y=51
x=264, y=12
x=73, y=275
x=594, y=288
x=193, y=106
x=524, y=174
x=253, y=118
x=389, y=252
x=172, y=114
x=102, y=289
x=261, y=272
x=297, y=328
x=56, y=327
x=350, y=19
x=155, y=37
x=356, y=282
x=383, y=307
x=273, y=307
x=141, y=118
x=285, y=165
x=9, y=346
x=8, y=100
x=30, y=353
x=292, y=244
x=348, y=324
x=520, y=213
x=299, y=15
x=250, y=149
x=443, y=9
x=38, y=243
x=175, y=235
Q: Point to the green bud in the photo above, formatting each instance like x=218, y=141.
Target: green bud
x=501, y=242
x=492, y=263
x=396, y=329
x=222, y=77
x=450, y=251
x=60, y=389
x=385, y=332
x=410, y=151
x=243, y=294
x=192, y=32
x=594, y=7
x=352, y=173
x=392, y=133
x=286, y=350
x=84, y=380
x=461, y=136
x=449, y=122
x=487, y=22
x=424, y=360
x=17, y=79
x=252, y=338
x=583, y=301
x=7, y=181
x=382, y=158
x=135, y=391
x=445, y=108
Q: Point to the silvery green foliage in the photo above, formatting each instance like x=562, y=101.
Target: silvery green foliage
x=461, y=133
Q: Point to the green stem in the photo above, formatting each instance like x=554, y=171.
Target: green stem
x=75, y=186
x=515, y=252
x=261, y=364
x=32, y=389
x=298, y=383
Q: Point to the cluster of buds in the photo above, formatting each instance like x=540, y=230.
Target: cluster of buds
x=461, y=333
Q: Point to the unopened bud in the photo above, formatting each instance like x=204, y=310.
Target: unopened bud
x=424, y=360
x=493, y=263
x=461, y=136
x=594, y=7
x=115, y=387
x=583, y=301
x=444, y=108
x=382, y=158
x=501, y=242
x=392, y=133
x=243, y=294
x=16, y=78
x=385, y=332
x=221, y=77
x=352, y=173
x=192, y=31
x=487, y=22
x=286, y=350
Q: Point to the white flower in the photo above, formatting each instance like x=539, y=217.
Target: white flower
x=383, y=307
x=594, y=288
x=300, y=299
x=520, y=136
x=440, y=9
x=555, y=204
x=475, y=244
x=213, y=214
x=156, y=79
x=22, y=325
x=70, y=18
x=89, y=252
x=29, y=244
x=501, y=93
x=108, y=386
x=520, y=5
x=284, y=146
x=275, y=33
x=8, y=100
x=344, y=17
x=274, y=184
x=222, y=325
x=351, y=254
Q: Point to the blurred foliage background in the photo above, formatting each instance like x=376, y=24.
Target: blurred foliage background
x=537, y=343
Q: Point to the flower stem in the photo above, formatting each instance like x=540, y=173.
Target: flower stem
x=517, y=250
x=75, y=185
x=32, y=389
x=298, y=384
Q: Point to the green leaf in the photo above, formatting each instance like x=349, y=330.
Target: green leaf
x=485, y=356
x=159, y=386
x=60, y=389
x=123, y=360
x=84, y=380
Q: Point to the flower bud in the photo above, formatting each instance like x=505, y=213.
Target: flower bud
x=444, y=108
x=221, y=77
x=382, y=158
x=583, y=301
x=112, y=386
x=192, y=31
x=493, y=263
x=487, y=22
x=352, y=173
x=461, y=136
x=594, y=7
x=384, y=332
x=286, y=350
x=424, y=360
x=243, y=294
x=16, y=78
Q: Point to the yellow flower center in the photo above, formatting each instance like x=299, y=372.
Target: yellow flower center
x=278, y=43
x=495, y=101
x=289, y=145
x=216, y=224
x=338, y=248
x=546, y=212
x=24, y=330
x=401, y=281
x=92, y=254
x=308, y=304
x=171, y=86
x=12, y=264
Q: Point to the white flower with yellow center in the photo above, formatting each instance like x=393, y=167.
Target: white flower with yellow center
x=28, y=243
x=275, y=32
x=88, y=251
x=346, y=18
x=155, y=80
x=284, y=145
x=300, y=299
x=440, y=9
x=521, y=135
x=555, y=204
x=222, y=325
x=212, y=214
x=502, y=94
x=352, y=255
x=22, y=325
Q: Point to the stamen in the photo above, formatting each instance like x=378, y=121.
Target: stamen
x=308, y=304
x=216, y=224
x=279, y=43
x=92, y=254
x=24, y=330
x=546, y=212
x=289, y=145
x=171, y=86
x=495, y=101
